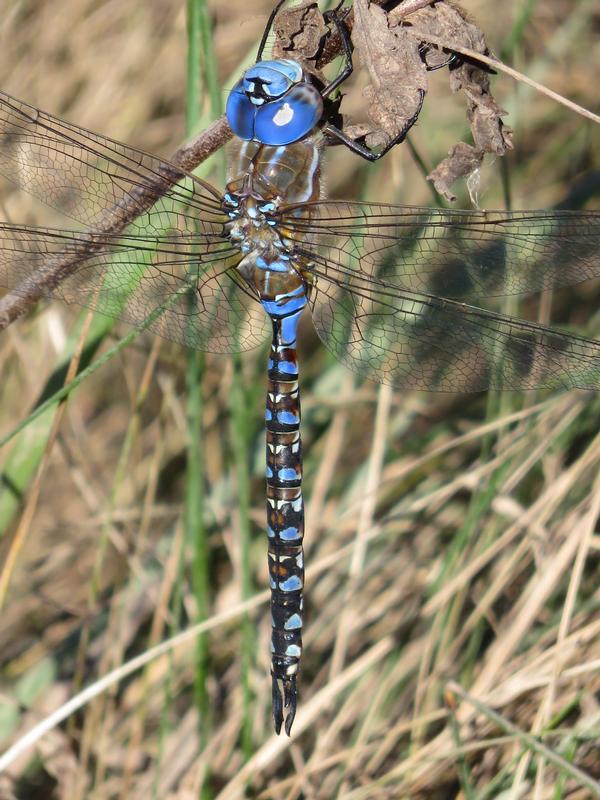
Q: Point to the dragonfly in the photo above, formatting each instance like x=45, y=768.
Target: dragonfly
x=396, y=293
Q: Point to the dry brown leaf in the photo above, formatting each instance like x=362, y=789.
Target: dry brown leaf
x=397, y=72
x=448, y=22
x=462, y=160
x=393, y=46
x=300, y=32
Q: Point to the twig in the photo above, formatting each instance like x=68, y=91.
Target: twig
x=494, y=63
x=410, y=6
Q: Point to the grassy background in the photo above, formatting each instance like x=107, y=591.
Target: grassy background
x=448, y=538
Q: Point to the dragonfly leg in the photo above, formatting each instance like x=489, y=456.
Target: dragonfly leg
x=329, y=16
x=361, y=149
x=267, y=29
x=342, y=30
x=454, y=59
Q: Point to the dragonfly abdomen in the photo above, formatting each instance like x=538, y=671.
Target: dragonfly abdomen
x=285, y=504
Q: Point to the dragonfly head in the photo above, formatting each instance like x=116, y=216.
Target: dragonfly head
x=274, y=103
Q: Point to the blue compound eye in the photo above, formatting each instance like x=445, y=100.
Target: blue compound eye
x=290, y=118
x=240, y=112
x=273, y=104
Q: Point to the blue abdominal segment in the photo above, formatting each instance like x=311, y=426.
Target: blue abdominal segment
x=287, y=308
x=289, y=534
x=287, y=418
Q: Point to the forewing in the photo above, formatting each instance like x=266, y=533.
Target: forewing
x=462, y=255
x=191, y=277
x=173, y=254
x=98, y=181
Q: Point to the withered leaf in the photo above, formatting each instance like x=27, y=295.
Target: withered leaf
x=390, y=45
x=446, y=21
x=395, y=67
x=463, y=159
x=299, y=33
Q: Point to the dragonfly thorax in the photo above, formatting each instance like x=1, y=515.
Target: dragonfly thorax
x=268, y=265
x=263, y=182
x=251, y=227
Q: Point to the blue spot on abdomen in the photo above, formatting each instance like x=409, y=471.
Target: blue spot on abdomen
x=289, y=534
x=287, y=418
x=291, y=584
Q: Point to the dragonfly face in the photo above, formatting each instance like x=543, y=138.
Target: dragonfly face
x=274, y=103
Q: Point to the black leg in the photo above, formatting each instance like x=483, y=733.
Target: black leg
x=346, y=44
x=452, y=60
x=267, y=30
x=361, y=149
x=330, y=16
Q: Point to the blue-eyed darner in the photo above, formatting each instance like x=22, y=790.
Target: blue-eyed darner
x=389, y=288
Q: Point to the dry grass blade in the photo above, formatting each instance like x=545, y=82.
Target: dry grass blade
x=529, y=741
x=24, y=526
x=116, y=676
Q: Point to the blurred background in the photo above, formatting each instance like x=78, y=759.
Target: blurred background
x=448, y=537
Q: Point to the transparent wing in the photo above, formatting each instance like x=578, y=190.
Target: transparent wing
x=192, y=277
x=96, y=180
x=410, y=338
x=457, y=254
x=173, y=253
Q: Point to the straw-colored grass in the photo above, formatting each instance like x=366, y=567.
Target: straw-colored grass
x=452, y=646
